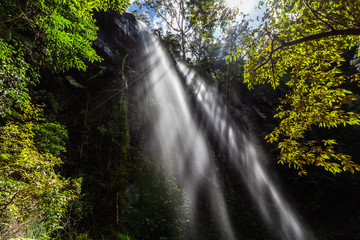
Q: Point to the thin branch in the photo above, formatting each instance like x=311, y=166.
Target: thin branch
x=11, y=200
x=335, y=19
x=12, y=19
x=328, y=17
x=17, y=228
x=22, y=14
x=272, y=61
x=216, y=76
x=168, y=23
x=315, y=13
x=181, y=16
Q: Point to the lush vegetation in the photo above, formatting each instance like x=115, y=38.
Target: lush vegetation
x=44, y=34
x=30, y=188
x=38, y=39
x=302, y=45
x=72, y=159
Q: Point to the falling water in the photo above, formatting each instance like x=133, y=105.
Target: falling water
x=182, y=147
x=247, y=158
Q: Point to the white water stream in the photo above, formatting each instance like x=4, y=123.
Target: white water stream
x=181, y=145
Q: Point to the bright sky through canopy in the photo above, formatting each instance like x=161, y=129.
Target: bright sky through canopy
x=245, y=6
x=234, y=3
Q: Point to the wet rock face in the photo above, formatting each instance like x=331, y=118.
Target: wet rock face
x=117, y=35
x=116, y=43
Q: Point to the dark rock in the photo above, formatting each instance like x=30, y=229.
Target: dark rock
x=117, y=35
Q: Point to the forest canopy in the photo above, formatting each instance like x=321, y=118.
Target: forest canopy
x=302, y=45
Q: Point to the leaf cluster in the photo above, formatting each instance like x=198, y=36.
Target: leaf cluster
x=65, y=29
x=14, y=78
x=30, y=187
x=55, y=35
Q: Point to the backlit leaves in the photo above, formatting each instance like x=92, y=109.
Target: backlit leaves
x=14, y=78
x=29, y=184
x=305, y=40
x=53, y=34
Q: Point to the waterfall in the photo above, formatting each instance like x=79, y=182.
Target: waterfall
x=181, y=145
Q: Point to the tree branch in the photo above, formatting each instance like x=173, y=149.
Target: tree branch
x=22, y=14
x=11, y=201
x=12, y=19
x=348, y=31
